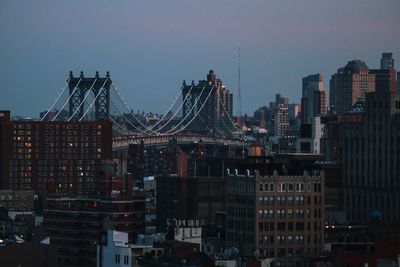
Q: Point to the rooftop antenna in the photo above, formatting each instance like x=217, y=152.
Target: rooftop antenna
x=239, y=93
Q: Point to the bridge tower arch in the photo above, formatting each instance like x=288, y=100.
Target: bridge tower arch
x=79, y=87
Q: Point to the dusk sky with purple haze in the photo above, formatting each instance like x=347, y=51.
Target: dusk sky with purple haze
x=149, y=47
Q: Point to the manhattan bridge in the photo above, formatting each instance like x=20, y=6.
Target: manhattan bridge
x=204, y=114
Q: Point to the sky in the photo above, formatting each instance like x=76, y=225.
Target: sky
x=151, y=46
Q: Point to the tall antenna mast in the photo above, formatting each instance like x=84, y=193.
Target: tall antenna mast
x=239, y=93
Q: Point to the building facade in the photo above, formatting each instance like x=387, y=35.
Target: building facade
x=188, y=198
x=349, y=85
x=313, y=101
x=17, y=199
x=280, y=217
x=76, y=225
x=387, y=61
x=36, y=155
x=367, y=146
x=281, y=120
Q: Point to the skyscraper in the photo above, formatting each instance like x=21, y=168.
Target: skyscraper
x=313, y=101
x=387, y=61
x=349, y=85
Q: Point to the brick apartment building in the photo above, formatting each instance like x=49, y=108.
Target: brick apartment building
x=36, y=155
x=280, y=217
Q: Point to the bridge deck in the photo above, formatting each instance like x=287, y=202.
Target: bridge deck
x=122, y=142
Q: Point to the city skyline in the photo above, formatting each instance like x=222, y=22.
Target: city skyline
x=147, y=47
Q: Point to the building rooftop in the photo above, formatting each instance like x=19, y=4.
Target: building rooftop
x=355, y=66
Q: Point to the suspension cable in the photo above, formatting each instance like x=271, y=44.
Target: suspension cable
x=126, y=131
x=179, y=108
x=169, y=109
x=190, y=111
x=129, y=110
x=94, y=100
x=227, y=114
x=83, y=101
x=73, y=91
x=201, y=108
x=56, y=99
x=123, y=115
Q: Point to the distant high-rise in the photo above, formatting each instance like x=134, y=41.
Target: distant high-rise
x=349, y=85
x=313, y=101
x=279, y=100
x=387, y=61
x=398, y=82
x=281, y=120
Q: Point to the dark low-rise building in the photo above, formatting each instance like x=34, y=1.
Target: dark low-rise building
x=186, y=198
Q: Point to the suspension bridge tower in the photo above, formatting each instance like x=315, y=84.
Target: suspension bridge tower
x=208, y=106
x=80, y=87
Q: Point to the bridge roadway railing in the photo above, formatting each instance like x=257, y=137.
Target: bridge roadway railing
x=122, y=142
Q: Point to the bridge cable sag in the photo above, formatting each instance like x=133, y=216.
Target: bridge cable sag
x=123, y=130
x=190, y=110
x=83, y=101
x=198, y=112
x=73, y=91
x=129, y=109
x=123, y=115
x=56, y=99
x=169, y=109
x=179, y=108
x=94, y=100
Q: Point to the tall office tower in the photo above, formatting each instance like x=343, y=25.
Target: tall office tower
x=313, y=101
x=37, y=155
x=281, y=120
x=210, y=104
x=398, y=82
x=387, y=61
x=294, y=110
x=349, y=85
x=366, y=143
x=277, y=216
x=386, y=76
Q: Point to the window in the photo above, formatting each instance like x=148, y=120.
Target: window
x=117, y=258
x=281, y=200
x=300, y=187
x=290, y=200
x=290, y=226
x=290, y=213
x=126, y=260
x=283, y=187
x=281, y=213
x=290, y=186
x=300, y=226
x=271, y=187
x=281, y=239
